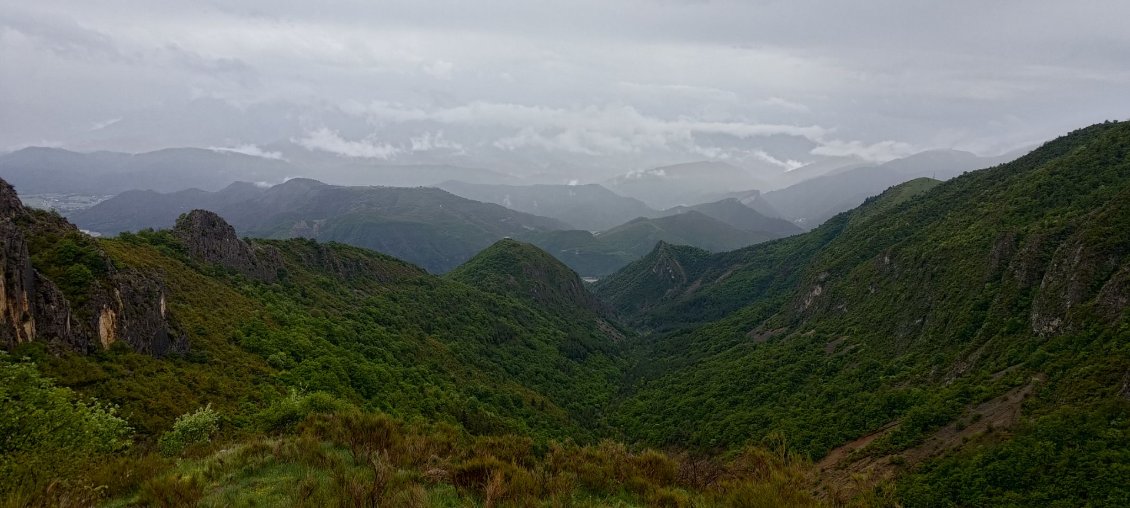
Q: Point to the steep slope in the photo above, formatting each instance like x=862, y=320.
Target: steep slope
x=527, y=273
x=959, y=343
x=352, y=323
x=427, y=226
x=588, y=207
x=901, y=322
x=61, y=288
x=665, y=273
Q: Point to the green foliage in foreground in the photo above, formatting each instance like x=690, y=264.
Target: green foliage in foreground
x=350, y=458
x=190, y=429
x=1054, y=460
x=326, y=452
x=46, y=427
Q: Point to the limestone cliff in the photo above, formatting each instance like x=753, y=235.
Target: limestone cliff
x=119, y=305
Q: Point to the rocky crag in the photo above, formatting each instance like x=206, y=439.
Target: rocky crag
x=92, y=305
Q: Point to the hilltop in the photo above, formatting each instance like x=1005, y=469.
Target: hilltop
x=522, y=270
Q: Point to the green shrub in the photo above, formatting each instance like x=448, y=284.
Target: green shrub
x=47, y=433
x=288, y=411
x=190, y=429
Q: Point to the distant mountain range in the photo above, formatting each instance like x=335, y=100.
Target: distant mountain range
x=38, y=170
x=427, y=226
x=590, y=207
x=814, y=192
x=808, y=195
x=683, y=184
x=51, y=170
x=719, y=226
x=745, y=211
x=439, y=230
x=813, y=201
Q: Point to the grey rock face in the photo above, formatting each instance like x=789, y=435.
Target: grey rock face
x=208, y=237
x=124, y=305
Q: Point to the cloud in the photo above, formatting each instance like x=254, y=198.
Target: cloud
x=248, y=149
x=616, y=118
x=599, y=85
x=787, y=165
x=433, y=141
x=439, y=69
x=326, y=140
x=882, y=151
x=102, y=124
x=590, y=130
x=787, y=105
x=61, y=35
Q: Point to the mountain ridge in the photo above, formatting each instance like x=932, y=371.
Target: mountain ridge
x=425, y=225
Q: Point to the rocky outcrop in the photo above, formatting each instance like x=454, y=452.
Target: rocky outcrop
x=135, y=311
x=18, y=290
x=121, y=306
x=10, y=205
x=208, y=237
x=1088, y=267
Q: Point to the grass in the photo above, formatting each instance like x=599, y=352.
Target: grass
x=350, y=458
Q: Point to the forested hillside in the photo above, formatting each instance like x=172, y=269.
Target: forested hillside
x=985, y=316
x=342, y=324
x=958, y=343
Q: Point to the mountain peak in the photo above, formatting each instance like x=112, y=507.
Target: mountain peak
x=208, y=237
x=301, y=182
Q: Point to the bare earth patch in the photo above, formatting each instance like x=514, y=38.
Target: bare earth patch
x=849, y=469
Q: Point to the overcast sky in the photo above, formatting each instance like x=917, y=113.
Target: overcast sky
x=634, y=82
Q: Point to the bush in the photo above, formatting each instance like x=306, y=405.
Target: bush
x=190, y=429
x=288, y=411
x=48, y=434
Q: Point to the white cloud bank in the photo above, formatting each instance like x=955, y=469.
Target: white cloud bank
x=249, y=149
x=327, y=140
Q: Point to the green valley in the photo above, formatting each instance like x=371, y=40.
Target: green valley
x=958, y=343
